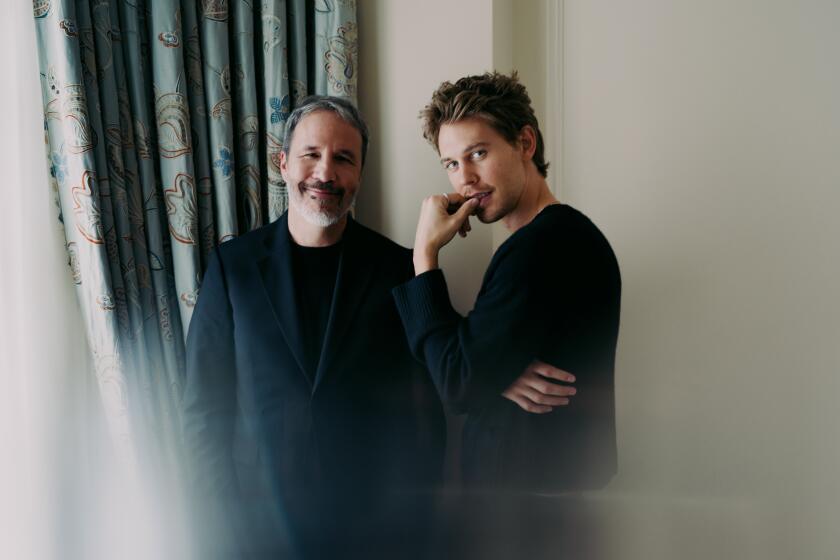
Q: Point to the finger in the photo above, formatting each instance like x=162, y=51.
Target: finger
x=547, y=370
x=441, y=201
x=466, y=209
x=544, y=400
x=546, y=387
x=526, y=404
x=454, y=202
x=452, y=208
x=456, y=198
x=433, y=205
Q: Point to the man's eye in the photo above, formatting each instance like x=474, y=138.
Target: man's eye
x=478, y=154
x=309, y=155
x=450, y=165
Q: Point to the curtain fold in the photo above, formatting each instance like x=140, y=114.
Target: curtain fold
x=163, y=123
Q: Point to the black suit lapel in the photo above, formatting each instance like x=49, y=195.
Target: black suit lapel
x=352, y=282
x=275, y=268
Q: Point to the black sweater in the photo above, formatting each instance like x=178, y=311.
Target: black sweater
x=551, y=292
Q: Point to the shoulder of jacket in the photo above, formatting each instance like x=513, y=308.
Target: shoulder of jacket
x=380, y=242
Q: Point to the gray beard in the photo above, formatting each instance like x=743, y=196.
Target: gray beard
x=315, y=217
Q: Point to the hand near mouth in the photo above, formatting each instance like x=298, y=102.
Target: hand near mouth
x=438, y=225
x=456, y=201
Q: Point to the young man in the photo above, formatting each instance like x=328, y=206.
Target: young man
x=551, y=292
x=312, y=430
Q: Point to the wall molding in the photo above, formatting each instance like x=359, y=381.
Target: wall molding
x=554, y=73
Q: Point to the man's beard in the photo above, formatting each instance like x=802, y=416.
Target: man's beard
x=324, y=216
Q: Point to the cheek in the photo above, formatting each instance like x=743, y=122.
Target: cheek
x=497, y=176
x=509, y=176
x=349, y=179
x=300, y=170
x=288, y=173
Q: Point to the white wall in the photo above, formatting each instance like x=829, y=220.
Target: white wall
x=703, y=138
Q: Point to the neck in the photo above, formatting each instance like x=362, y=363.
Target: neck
x=307, y=234
x=535, y=197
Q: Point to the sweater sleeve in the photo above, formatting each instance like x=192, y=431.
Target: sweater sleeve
x=473, y=359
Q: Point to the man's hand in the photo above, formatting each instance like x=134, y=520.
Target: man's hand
x=534, y=391
x=436, y=227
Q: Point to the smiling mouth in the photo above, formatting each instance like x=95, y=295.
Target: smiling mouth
x=323, y=190
x=319, y=193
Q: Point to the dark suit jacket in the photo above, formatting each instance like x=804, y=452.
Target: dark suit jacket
x=280, y=460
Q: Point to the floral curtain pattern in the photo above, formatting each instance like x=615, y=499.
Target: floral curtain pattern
x=163, y=123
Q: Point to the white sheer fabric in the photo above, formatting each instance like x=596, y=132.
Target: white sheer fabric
x=63, y=493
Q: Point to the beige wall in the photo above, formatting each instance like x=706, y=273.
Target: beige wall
x=703, y=138
x=525, y=39
x=406, y=50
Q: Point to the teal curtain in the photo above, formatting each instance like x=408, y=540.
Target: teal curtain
x=163, y=127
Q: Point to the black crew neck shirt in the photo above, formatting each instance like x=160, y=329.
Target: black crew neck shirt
x=315, y=270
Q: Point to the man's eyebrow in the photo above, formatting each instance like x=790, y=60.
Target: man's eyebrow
x=472, y=147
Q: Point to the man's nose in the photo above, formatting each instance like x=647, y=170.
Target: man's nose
x=467, y=177
x=324, y=170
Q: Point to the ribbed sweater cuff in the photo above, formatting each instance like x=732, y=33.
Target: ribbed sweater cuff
x=423, y=301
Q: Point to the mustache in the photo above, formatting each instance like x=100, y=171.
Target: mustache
x=326, y=186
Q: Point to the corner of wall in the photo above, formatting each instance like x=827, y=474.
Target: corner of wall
x=528, y=38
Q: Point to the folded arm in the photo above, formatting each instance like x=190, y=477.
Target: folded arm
x=489, y=352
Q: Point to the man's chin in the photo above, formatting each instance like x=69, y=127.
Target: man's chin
x=321, y=218
x=486, y=217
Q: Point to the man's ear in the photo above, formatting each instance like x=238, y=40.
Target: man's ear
x=283, y=161
x=528, y=141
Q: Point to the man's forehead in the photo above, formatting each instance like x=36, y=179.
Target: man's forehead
x=325, y=127
x=454, y=138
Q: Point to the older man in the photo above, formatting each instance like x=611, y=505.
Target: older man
x=312, y=430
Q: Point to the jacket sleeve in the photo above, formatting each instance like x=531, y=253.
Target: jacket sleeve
x=473, y=359
x=209, y=410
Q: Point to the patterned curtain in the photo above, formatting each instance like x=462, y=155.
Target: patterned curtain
x=163, y=126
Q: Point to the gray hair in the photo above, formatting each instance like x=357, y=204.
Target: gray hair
x=338, y=105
